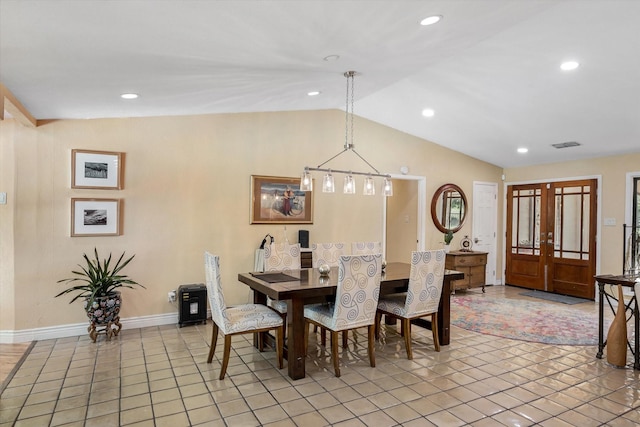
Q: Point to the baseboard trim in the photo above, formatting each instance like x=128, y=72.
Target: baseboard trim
x=71, y=330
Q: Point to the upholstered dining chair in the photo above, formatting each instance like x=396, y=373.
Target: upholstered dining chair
x=355, y=305
x=421, y=299
x=366, y=248
x=241, y=319
x=281, y=257
x=327, y=253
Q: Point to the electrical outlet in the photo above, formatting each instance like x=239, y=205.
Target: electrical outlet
x=171, y=296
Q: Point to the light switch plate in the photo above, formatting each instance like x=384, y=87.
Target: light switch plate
x=610, y=222
x=3, y=198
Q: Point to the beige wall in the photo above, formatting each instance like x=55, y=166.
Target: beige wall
x=187, y=188
x=613, y=171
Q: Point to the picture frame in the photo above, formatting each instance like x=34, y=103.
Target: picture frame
x=269, y=202
x=97, y=169
x=96, y=217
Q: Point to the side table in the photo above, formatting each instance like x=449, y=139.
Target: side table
x=632, y=306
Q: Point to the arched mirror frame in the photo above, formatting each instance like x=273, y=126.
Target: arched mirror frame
x=434, y=206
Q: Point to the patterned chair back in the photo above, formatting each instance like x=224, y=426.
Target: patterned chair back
x=425, y=282
x=214, y=290
x=327, y=253
x=282, y=257
x=357, y=292
x=366, y=248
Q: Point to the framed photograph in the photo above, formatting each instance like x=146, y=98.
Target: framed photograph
x=95, y=217
x=278, y=200
x=97, y=169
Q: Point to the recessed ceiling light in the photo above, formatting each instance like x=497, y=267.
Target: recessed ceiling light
x=313, y=93
x=129, y=96
x=428, y=112
x=331, y=58
x=431, y=20
x=569, y=65
x=523, y=150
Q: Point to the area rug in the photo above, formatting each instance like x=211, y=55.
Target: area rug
x=548, y=296
x=525, y=320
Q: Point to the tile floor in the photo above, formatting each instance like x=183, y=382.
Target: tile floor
x=158, y=376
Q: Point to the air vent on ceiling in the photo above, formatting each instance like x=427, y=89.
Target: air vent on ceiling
x=566, y=144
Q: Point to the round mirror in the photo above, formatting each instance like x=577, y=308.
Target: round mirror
x=449, y=208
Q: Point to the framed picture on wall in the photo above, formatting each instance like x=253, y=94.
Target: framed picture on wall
x=97, y=169
x=278, y=200
x=95, y=217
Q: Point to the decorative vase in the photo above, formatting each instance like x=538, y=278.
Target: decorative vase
x=447, y=248
x=617, y=335
x=104, y=315
x=324, y=270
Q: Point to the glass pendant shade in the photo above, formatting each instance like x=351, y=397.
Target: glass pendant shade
x=349, y=185
x=306, y=182
x=328, y=185
x=369, y=186
x=387, y=187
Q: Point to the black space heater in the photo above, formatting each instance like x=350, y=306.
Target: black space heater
x=192, y=300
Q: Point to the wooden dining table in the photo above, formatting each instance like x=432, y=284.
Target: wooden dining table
x=306, y=286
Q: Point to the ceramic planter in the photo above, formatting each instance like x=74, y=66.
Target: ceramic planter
x=104, y=315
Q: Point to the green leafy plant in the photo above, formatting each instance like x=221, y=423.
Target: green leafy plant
x=98, y=278
x=448, y=237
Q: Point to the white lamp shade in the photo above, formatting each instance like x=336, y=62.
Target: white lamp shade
x=387, y=187
x=328, y=185
x=306, y=182
x=369, y=187
x=349, y=185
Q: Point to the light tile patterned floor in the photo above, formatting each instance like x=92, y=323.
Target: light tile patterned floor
x=159, y=377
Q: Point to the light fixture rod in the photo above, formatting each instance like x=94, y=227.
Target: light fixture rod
x=319, y=169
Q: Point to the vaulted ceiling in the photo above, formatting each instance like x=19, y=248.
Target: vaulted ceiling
x=490, y=69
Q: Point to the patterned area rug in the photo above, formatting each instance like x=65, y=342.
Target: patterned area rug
x=526, y=320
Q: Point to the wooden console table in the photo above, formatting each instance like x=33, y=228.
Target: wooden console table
x=632, y=306
x=472, y=264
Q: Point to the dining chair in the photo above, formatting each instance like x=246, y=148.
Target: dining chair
x=240, y=319
x=355, y=305
x=281, y=257
x=327, y=253
x=366, y=248
x=421, y=299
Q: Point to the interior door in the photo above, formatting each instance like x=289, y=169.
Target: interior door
x=485, y=224
x=551, y=241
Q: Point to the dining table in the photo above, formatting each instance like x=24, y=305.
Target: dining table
x=307, y=286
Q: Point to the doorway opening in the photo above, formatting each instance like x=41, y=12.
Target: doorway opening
x=404, y=214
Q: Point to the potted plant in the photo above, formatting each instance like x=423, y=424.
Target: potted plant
x=448, y=237
x=97, y=283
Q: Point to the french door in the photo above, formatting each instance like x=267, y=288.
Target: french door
x=551, y=237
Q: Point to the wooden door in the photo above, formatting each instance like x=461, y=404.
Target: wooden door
x=551, y=237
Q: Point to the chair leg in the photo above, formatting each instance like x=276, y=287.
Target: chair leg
x=284, y=326
x=280, y=345
x=306, y=337
x=371, y=348
x=323, y=337
x=345, y=339
x=377, y=325
x=225, y=357
x=434, y=329
x=214, y=341
x=334, y=352
x=406, y=327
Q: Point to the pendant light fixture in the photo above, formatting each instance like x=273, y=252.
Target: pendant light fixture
x=328, y=183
